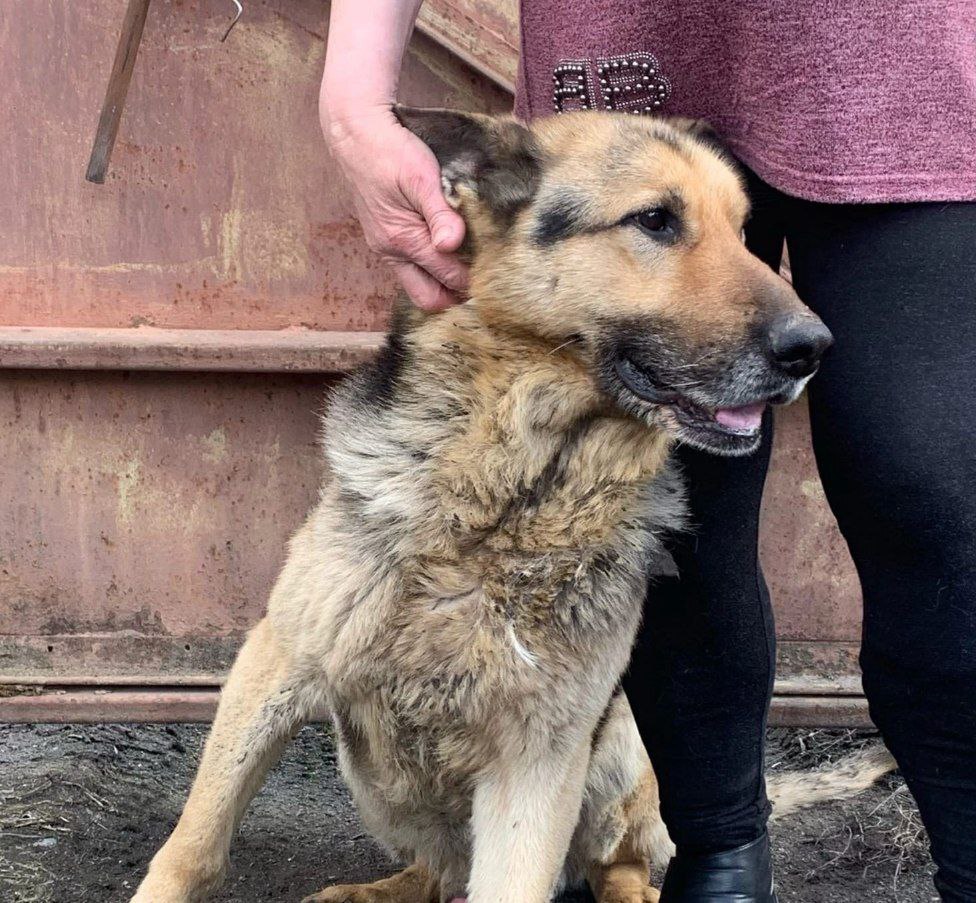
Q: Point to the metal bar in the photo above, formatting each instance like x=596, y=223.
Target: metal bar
x=88, y=706
x=790, y=687
x=167, y=704
x=820, y=711
x=484, y=34
x=118, y=87
x=503, y=79
x=145, y=348
x=110, y=681
x=805, y=685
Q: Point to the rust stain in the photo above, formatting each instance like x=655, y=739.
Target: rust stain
x=215, y=443
x=128, y=487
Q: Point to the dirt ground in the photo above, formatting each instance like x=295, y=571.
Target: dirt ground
x=82, y=809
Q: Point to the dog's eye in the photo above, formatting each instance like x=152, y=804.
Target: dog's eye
x=654, y=221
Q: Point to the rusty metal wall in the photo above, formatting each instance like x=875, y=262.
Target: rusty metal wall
x=143, y=514
x=221, y=209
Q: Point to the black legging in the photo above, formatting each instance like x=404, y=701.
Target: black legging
x=893, y=414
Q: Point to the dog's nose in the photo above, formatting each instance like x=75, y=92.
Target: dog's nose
x=797, y=343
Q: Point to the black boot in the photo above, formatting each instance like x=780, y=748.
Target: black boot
x=743, y=875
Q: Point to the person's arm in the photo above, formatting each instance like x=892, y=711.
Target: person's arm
x=394, y=177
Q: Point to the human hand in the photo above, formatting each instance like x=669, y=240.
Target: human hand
x=396, y=186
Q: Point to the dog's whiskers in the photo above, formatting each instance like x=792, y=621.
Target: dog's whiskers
x=569, y=341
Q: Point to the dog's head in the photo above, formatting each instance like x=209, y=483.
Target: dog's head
x=621, y=237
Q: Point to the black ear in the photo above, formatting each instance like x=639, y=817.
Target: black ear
x=497, y=158
x=703, y=131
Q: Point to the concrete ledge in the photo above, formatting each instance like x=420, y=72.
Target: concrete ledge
x=148, y=348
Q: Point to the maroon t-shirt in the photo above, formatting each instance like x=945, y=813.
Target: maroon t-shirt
x=833, y=100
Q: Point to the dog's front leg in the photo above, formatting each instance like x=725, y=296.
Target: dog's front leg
x=260, y=709
x=522, y=821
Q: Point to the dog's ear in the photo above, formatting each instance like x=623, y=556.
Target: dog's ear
x=702, y=130
x=494, y=158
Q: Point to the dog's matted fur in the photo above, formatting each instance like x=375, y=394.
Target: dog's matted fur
x=464, y=597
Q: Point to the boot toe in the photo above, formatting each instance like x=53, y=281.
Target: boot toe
x=742, y=875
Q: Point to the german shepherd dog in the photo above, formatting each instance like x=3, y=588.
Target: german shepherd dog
x=464, y=597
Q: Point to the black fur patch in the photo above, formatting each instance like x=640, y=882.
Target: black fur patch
x=448, y=134
x=499, y=159
x=703, y=131
x=553, y=475
x=706, y=135
x=561, y=219
x=379, y=380
x=605, y=718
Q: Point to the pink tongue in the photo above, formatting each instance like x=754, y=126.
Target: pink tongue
x=746, y=418
x=460, y=900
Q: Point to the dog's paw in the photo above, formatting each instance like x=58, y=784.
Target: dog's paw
x=350, y=893
x=645, y=894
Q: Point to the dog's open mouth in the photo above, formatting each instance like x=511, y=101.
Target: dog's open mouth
x=745, y=420
x=732, y=430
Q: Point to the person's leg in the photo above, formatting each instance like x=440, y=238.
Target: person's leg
x=701, y=674
x=893, y=414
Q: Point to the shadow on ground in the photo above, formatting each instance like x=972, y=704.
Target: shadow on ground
x=83, y=808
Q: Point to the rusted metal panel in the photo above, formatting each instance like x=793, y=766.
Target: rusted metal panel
x=141, y=507
x=148, y=348
x=483, y=33
x=221, y=209
x=811, y=577
x=143, y=515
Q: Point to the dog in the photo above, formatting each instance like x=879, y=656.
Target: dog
x=464, y=598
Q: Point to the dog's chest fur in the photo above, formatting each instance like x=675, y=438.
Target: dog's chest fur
x=509, y=521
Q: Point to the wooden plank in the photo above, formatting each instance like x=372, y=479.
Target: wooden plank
x=118, y=87
x=147, y=348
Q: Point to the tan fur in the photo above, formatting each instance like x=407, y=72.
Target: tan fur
x=413, y=885
x=790, y=791
x=464, y=597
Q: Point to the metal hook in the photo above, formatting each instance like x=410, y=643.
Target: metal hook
x=230, y=28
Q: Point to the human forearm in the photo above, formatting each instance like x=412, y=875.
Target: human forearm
x=367, y=41
x=393, y=177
